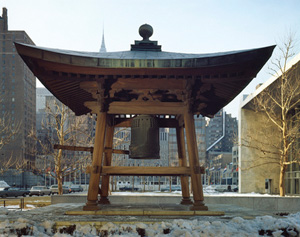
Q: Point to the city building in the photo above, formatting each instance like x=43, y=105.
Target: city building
x=235, y=165
x=41, y=93
x=255, y=174
x=18, y=101
x=200, y=127
x=217, y=163
x=221, y=133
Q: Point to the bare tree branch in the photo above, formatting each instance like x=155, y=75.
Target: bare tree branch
x=279, y=103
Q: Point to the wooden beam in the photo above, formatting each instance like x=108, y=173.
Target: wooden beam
x=146, y=107
x=162, y=122
x=140, y=83
x=73, y=148
x=115, y=151
x=145, y=171
x=90, y=149
x=107, y=161
x=183, y=163
x=122, y=122
x=92, y=196
x=140, y=107
x=194, y=162
x=149, y=84
x=168, y=123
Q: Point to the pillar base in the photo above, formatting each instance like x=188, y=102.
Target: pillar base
x=198, y=206
x=91, y=206
x=186, y=201
x=104, y=200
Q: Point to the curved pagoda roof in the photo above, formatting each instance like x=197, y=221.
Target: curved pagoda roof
x=145, y=74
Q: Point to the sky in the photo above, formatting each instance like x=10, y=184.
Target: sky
x=191, y=26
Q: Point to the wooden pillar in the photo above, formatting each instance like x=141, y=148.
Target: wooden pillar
x=194, y=162
x=107, y=162
x=186, y=200
x=92, y=197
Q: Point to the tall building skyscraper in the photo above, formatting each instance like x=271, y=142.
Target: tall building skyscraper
x=221, y=133
x=41, y=94
x=17, y=93
x=200, y=123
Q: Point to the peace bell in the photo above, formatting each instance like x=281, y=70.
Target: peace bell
x=144, y=138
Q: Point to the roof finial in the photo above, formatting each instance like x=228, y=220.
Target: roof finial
x=146, y=44
x=146, y=31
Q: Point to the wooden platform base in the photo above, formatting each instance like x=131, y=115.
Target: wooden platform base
x=145, y=210
x=141, y=212
x=104, y=200
x=198, y=206
x=91, y=207
x=186, y=201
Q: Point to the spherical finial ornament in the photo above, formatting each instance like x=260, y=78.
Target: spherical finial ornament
x=145, y=31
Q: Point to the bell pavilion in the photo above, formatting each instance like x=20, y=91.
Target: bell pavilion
x=161, y=89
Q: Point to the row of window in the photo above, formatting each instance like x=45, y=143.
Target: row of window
x=4, y=36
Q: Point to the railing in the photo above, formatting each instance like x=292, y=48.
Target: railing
x=6, y=200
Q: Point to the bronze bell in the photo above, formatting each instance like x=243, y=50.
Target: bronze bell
x=144, y=138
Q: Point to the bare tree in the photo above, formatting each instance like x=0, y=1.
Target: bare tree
x=63, y=128
x=9, y=130
x=278, y=138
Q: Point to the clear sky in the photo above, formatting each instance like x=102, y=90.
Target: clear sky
x=190, y=26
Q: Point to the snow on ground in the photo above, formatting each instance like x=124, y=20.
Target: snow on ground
x=266, y=225
x=260, y=226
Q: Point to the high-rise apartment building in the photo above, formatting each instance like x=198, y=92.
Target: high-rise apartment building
x=17, y=94
x=41, y=94
x=200, y=123
x=221, y=133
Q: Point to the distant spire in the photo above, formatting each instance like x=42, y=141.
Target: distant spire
x=103, y=48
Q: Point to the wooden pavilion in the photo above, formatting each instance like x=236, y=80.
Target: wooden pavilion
x=144, y=80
